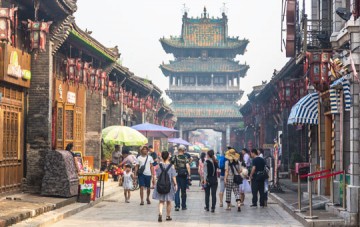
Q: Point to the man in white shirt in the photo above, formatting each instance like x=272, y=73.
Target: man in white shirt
x=144, y=170
x=246, y=157
x=116, y=155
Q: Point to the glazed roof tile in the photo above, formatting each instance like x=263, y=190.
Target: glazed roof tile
x=204, y=65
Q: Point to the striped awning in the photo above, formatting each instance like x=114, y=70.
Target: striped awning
x=305, y=111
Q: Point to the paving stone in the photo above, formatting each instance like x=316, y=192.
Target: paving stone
x=132, y=214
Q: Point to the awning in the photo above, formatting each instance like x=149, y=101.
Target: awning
x=305, y=111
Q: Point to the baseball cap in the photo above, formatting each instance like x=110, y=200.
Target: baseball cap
x=182, y=147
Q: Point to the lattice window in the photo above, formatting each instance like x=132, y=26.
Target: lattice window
x=69, y=124
x=11, y=118
x=78, y=130
x=60, y=127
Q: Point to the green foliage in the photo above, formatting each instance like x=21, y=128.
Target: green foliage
x=107, y=150
x=295, y=157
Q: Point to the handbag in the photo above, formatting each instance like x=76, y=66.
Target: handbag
x=142, y=168
x=237, y=178
x=246, y=187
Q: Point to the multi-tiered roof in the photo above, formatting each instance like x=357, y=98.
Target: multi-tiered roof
x=204, y=50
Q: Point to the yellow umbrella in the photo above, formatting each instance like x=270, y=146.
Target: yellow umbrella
x=123, y=135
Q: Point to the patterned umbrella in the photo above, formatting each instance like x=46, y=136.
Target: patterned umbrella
x=122, y=135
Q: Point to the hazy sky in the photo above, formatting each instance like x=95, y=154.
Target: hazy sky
x=135, y=26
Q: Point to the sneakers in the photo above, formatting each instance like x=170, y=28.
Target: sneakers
x=184, y=208
x=253, y=205
x=206, y=209
x=177, y=208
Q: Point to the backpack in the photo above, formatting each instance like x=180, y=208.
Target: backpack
x=180, y=167
x=163, y=185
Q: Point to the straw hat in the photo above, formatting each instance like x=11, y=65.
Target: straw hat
x=232, y=155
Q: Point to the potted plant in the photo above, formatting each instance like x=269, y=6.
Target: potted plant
x=295, y=158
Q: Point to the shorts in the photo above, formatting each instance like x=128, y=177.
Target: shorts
x=144, y=180
x=222, y=184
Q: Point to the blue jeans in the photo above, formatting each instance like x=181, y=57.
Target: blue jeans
x=182, y=183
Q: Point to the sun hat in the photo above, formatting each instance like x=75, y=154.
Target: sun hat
x=182, y=147
x=232, y=155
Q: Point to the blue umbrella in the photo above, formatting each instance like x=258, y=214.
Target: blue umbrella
x=179, y=141
x=152, y=130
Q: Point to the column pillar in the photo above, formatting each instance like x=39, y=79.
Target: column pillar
x=227, y=134
x=180, y=130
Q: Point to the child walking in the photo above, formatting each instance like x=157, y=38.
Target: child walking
x=128, y=182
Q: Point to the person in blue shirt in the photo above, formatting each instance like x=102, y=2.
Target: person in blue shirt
x=222, y=161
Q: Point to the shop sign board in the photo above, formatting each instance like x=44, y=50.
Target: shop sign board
x=15, y=65
x=71, y=97
x=87, y=183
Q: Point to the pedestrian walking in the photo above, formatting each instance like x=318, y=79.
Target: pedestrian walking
x=201, y=167
x=222, y=161
x=231, y=180
x=210, y=180
x=245, y=184
x=154, y=155
x=246, y=158
x=128, y=185
x=182, y=167
x=166, y=185
x=257, y=177
x=266, y=182
x=144, y=170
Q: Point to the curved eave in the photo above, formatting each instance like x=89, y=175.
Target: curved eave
x=167, y=71
x=172, y=48
x=93, y=44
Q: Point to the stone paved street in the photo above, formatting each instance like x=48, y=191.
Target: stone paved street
x=115, y=212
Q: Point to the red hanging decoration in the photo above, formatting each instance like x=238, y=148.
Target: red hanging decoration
x=79, y=78
x=103, y=78
x=86, y=73
x=8, y=24
x=70, y=69
x=110, y=89
x=92, y=79
x=97, y=79
x=38, y=31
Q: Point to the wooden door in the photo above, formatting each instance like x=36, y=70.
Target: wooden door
x=11, y=139
x=328, y=145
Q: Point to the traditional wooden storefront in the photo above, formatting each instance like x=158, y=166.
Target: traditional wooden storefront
x=68, y=115
x=14, y=79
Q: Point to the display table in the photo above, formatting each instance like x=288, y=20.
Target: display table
x=101, y=178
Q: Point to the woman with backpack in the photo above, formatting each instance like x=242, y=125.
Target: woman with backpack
x=166, y=185
x=232, y=178
x=210, y=180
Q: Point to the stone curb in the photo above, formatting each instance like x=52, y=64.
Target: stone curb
x=288, y=209
x=56, y=215
x=317, y=223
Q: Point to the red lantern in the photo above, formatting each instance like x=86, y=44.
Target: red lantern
x=86, y=73
x=7, y=22
x=136, y=102
x=130, y=99
x=79, y=71
x=148, y=102
x=38, y=31
x=319, y=69
x=110, y=89
x=126, y=98
x=103, y=78
x=92, y=78
x=142, y=105
x=97, y=79
x=70, y=68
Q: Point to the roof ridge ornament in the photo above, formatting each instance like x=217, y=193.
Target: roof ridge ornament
x=224, y=10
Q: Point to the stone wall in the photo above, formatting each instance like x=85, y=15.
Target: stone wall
x=113, y=114
x=39, y=119
x=93, y=127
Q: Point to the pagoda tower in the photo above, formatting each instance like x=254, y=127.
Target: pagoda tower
x=204, y=78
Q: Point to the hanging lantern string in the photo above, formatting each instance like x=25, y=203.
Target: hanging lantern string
x=36, y=7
